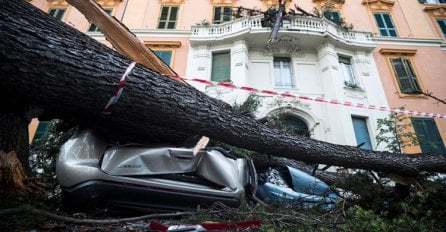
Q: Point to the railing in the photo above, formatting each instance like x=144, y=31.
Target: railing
x=309, y=24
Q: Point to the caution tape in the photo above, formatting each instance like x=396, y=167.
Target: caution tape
x=317, y=99
x=119, y=89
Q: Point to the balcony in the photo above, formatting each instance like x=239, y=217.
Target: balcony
x=309, y=30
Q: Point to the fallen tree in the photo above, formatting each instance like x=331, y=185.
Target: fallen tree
x=50, y=66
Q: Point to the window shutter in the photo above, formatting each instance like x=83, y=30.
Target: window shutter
x=221, y=67
x=405, y=75
x=428, y=135
x=413, y=79
x=402, y=76
x=361, y=132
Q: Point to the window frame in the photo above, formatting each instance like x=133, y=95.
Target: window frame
x=92, y=27
x=386, y=28
x=65, y=9
x=212, y=75
x=167, y=21
x=333, y=11
x=291, y=73
x=165, y=50
x=412, y=70
x=353, y=81
x=222, y=19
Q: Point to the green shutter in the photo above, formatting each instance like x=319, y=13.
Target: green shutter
x=428, y=135
x=405, y=75
x=221, y=67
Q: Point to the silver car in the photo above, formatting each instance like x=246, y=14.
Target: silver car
x=93, y=173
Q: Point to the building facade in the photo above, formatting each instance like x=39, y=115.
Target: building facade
x=384, y=53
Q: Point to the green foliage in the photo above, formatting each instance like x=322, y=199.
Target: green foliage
x=43, y=154
x=249, y=106
x=393, y=132
x=383, y=208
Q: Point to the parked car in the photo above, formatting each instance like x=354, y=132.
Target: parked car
x=93, y=173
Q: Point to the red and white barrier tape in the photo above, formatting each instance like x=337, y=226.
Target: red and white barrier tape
x=119, y=89
x=317, y=99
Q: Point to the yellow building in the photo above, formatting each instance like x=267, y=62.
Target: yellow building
x=404, y=40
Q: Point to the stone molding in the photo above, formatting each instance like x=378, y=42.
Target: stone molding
x=170, y=2
x=436, y=10
x=379, y=5
x=223, y=2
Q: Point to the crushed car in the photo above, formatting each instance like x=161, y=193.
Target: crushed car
x=96, y=175
x=294, y=188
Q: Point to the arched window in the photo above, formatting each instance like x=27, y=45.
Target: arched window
x=289, y=123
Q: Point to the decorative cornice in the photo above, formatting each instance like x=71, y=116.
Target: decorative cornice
x=162, y=2
x=109, y=3
x=436, y=10
x=330, y=4
x=223, y=2
x=394, y=51
x=275, y=3
x=103, y=3
x=58, y=3
x=379, y=5
x=162, y=44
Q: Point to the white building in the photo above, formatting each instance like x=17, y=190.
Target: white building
x=312, y=57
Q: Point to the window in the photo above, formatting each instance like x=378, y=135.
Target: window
x=222, y=14
x=168, y=17
x=57, y=12
x=362, y=133
x=282, y=73
x=385, y=24
x=333, y=16
x=293, y=124
x=221, y=67
x=94, y=28
x=442, y=24
x=428, y=136
x=347, y=70
x=164, y=55
x=405, y=75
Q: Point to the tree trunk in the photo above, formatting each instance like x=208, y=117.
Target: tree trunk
x=14, y=151
x=71, y=76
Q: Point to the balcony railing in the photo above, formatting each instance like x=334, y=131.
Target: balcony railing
x=307, y=24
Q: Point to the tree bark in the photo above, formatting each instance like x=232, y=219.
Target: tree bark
x=14, y=149
x=71, y=76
